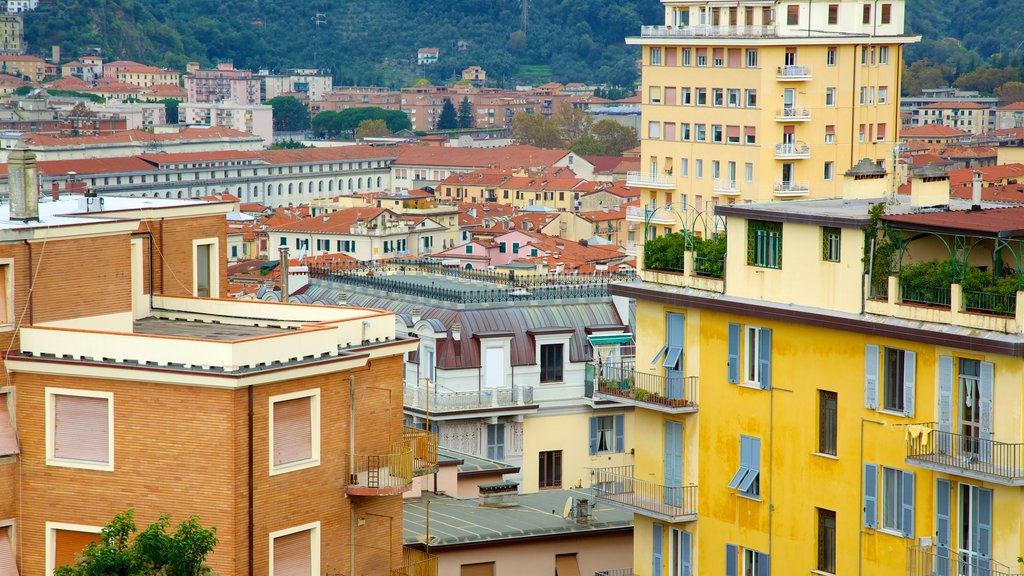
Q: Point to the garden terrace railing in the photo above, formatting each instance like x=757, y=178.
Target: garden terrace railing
x=416, y=563
x=674, y=266
x=711, y=267
x=424, y=449
x=446, y=401
x=391, y=472
x=936, y=561
x=617, y=486
x=930, y=295
x=971, y=456
x=991, y=303
x=325, y=270
x=622, y=382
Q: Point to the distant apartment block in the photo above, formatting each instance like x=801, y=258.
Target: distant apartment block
x=147, y=76
x=427, y=56
x=222, y=84
x=310, y=85
x=12, y=34
x=475, y=74
x=255, y=119
x=29, y=67
x=344, y=97
x=21, y=6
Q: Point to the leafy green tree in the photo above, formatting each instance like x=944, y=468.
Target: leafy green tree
x=924, y=74
x=170, y=109
x=615, y=137
x=465, y=113
x=572, y=121
x=536, y=130
x=448, y=120
x=587, y=145
x=372, y=129
x=122, y=551
x=986, y=79
x=290, y=114
x=288, y=145
x=1011, y=92
x=517, y=42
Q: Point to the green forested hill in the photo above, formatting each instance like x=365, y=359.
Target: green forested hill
x=375, y=41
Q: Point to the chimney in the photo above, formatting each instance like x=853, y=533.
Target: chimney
x=457, y=332
x=417, y=312
x=23, y=183
x=865, y=180
x=929, y=187
x=976, y=191
x=284, y=273
x=499, y=495
x=55, y=191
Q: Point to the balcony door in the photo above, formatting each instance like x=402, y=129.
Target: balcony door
x=975, y=531
x=975, y=409
x=789, y=98
x=787, y=173
x=673, y=457
x=675, y=326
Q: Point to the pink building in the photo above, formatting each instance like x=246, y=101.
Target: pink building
x=255, y=119
x=503, y=249
x=222, y=85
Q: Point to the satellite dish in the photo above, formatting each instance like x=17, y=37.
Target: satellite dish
x=567, y=511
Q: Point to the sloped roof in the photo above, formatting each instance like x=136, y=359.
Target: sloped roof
x=506, y=156
x=339, y=222
x=326, y=154
x=955, y=106
x=933, y=130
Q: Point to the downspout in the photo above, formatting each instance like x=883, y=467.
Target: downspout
x=853, y=104
x=252, y=530
x=351, y=467
x=860, y=528
x=31, y=311
x=163, y=273
x=771, y=458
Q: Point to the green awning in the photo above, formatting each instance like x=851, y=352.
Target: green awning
x=612, y=339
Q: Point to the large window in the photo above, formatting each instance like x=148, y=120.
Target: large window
x=897, y=501
x=895, y=365
x=826, y=541
x=295, y=431
x=203, y=270
x=747, y=479
x=551, y=362
x=80, y=429
x=496, y=441
x=764, y=244
x=295, y=551
x=607, y=434
x=828, y=405
x=550, y=467
x=750, y=355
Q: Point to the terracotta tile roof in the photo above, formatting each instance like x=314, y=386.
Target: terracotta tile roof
x=604, y=163
x=955, y=106
x=168, y=90
x=251, y=207
x=8, y=80
x=616, y=213
x=506, y=156
x=326, y=154
x=634, y=99
x=19, y=58
x=923, y=159
x=988, y=174
x=990, y=221
x=1013, y=106
x=67, y=83
x=627, y=165
x=933, y=130
x=339, y=222
x=141, y=136
x=972, y=152
x=1008, y=193
x=212, y=155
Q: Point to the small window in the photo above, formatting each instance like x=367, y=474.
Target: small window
x=655, y=95
x=748, y=172
x=687, y=57
x=550, y=469
x=754, y=562
x=6, y=293
x=829, y=170
x=883, y=94
x=751, y=58
x=883, y=54
x=685, y=97
x=204, y=270
x=752, y=359
x=293, y=551
x=733, y=97
x=716, y=132
x=830, y=242
x=867, y=14
x=830, y=96
x=764, y=244
x=833, y=14
x=831, y=56
x=702, y=96
x=886, y=13
x=551, y=362
x=80, y=429
x=897, y=485
x=826, y=541
x=895, y=368
x=294, y=431
x=717, y=97
x=793, y=15
x=655, y=56
x=747, y=479
x=606, y=434
x=496, y=441
x=828, y=406
x=699, y=168
x=751, y=98
x=701, y=132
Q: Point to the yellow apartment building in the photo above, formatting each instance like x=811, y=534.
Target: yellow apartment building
x=763, y=100
x=824, y=401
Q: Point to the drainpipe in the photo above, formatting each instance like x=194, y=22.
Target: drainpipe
x=771, y=458
x=860, y=529
x=351, y=467
x=251, y=522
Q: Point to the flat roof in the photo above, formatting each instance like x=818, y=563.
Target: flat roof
x=69, y=211
x=470, y=464
x=460, y=522
x=203, y=330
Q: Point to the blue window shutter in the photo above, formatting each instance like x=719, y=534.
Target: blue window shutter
x=731, y=560
x=909, y=377
x=945, y=396
x=734, y=353
x=765, y=357
x=685, y=554
x=657, y=556
x=871, y=496
x=593, y=434
x=871, y=377
x=986, y=387
x=620, y=431
x=908, y=504
x=983, y=521
x=755, y=454
x=942, y=513
x=763, y=564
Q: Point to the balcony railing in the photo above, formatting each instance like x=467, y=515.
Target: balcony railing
x=991, y=303
x=617, y=486
x=424, y=450
x=788, y=150
x=622, y=383
x=416, y=562
x=929, y=295
x=792, y=188
x=380, y=474
x=710, y=267
x=706, y=30
x=793, y=73
x=651, y=214
x=793, y=113
x=935, y=561
x=615, y=572
x=650, y=180
x=727, y=187
x=441, y=401
x=964, y=455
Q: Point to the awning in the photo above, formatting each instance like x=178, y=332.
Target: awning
x=612, y=339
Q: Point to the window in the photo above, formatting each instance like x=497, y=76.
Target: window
x=750, y=134
x=699, y=168
x=764, y=244
x=830, y=96
x=684, y=169
x=793, y=15
x=203, y=267
x=828, y=406
x=867, y=14
x=883, y=94
x=655, y=95
x=747, y=479
x=607, y=434
x=754, y=563
x=296, y=550
x=6, y=291
x=833, y=14
x=685, y=96
x=551, y=362
x=886, y=16
x=880, y=132
x=831, y=57
x=496, y=441
x=65, y=542
x=654, y=130
x=897, y=500
x=702, y=57
x=702, y=96
x=748, y=172
x=718, y=57
x=717, y=97
x=751, y=98
x=550, y=469
x=701, y=130
x=684, y=132
x=883, y=54
x=655, y=56
x=687, y=53
x=715, y=169
x=482, y=569
x=830, y=168
x=827, y=541
x=80, y=429
x=863, y=95
x=896, y=372
x=733, y=97
x=862, y=130
x=294, y=431
x=830, y=242
x=681, y=553
x=751, y=58
x=716, y=132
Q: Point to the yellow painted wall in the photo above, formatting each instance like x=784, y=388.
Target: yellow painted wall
x=570, y=433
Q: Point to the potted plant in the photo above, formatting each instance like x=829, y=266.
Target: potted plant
x=640, y=395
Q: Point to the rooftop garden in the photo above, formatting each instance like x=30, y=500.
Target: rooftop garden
x=666, y=253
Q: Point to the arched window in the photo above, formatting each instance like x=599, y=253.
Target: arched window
x=301, y=185
x=380, y=182
x=359, y=184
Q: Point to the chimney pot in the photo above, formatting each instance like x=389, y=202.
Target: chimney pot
x=285, y=293
x=23, y=183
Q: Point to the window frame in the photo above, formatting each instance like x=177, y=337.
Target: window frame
x=314, y=544
x=652, y=52
x=901, y=354
x=611, y=434
x=764, y=256
x=51, y=539
x=7, y=265
x=828, y=425
x=50, y=409
x=552, y=459
x=886, y=502
x=557, y=370
x=314, y=431
x=826, y=537
x=831, y=243
x=751, y=356
x=214, y=265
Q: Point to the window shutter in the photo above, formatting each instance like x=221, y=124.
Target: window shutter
x=908, y=504
x=763, y=564
x=942, y=513
x=946, y=395
x=871, y=377
x=731, y=560
x=909, y=377
x=69, y=543
x=986, y=389
x=293, y=433
x=8, y=437
x=593, y=434
x=734, y=353
x=293, y=553
x=685, y=554
x=620, y=433
x=660, y=353
x=7, y=565
x=765, y=357
x=658, y=541
x=983, y=522
x=82, y=426
x=870, y=495
x=754, y=454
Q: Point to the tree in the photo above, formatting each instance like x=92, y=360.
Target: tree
x=986, y=79
x=924, y=74
x=152, y=552
x=372, y=129
x=1011, y=92
x=572, y=121
x=170, y=110
x=517, y=42
x=465, y=113
x=421, y=82
x=536, y=130
x=290, y=114
x=448, y=120
x=587, y=145
x=288, y=144
x=615, y=137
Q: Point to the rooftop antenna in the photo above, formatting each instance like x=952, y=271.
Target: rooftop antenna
x=526, y=14
x=319, y=19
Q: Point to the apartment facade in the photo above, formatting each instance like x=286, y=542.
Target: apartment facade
x=307, y=84
x=148, y=76
x=29, y=67
x=12, y=33
x=255, y=119
x=971, y=117
x=229, y=423
x=753, y=101
x=221, y=84
x=344, y=97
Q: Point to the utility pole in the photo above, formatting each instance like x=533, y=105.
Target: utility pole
x=319, y=19
x=526, y=14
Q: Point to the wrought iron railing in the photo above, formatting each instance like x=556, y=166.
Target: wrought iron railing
x=936, y=561
x=673, y=266
x=789, y=149
x=708, y=30
x=615, y=572
x=622, y=380
x=794, y=112
x=1000, y=461
x=711, y=267
x=430, y=266
x=424, y=449
x=642, y=179
x=793, y=72
x=416, y=563
x=380, y=471
x=930, y=295
x=991, y=303
x=619, y=487
x=441, y=401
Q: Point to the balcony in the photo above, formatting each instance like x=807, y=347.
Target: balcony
x=792, y=151
x=947, y=304
x=659, y=181
x=442, y=402
x=793, y=114
x=934, y=561
x=792, y=188
x=706, y=30
x=380, y=474
x=621, y=383
x=793, y=73
x=979, y=458
x=424, y=450
x=727, y=187
x=615, y=572
x=618, y=487
x=663, y=216
x=416, y=562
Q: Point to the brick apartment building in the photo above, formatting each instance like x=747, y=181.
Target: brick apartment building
x=140, y=386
